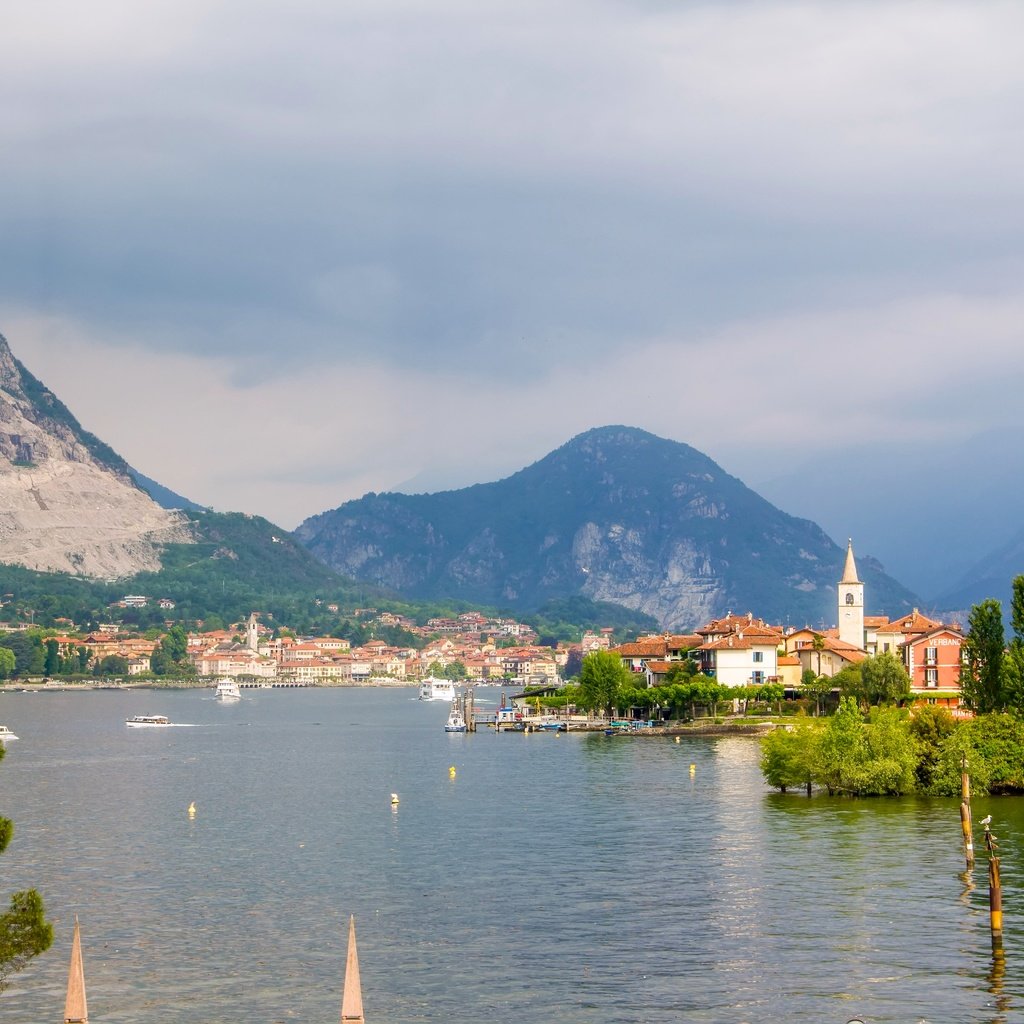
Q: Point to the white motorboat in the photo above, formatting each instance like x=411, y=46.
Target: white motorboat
x=228, y=690
x=437, y=689
x=6, y=734
x=148, y=722
x=455, y=723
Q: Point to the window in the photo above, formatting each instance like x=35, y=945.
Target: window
x=758, y=656
x=757, y=678
x=931, y=655
x=849, y=598
x=931, y=677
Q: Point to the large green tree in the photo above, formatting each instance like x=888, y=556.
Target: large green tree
x=983, y=672
x=24, y=930
x=883, y=680
x=601, y=677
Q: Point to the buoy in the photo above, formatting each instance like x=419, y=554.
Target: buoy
x=677, y=739
x=192, y=809
x=451, y=772
x=394, y=799
x=693, y=769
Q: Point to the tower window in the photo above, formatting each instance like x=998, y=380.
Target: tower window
x=849, y=598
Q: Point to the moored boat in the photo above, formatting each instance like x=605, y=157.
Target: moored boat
x=148, y=722
x=455, y=723
x=6, y=734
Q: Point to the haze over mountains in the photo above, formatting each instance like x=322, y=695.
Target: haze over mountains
x=616, y=514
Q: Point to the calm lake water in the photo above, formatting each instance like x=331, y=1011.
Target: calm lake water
x=554, y=879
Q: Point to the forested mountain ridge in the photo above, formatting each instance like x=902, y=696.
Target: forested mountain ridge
x=616, y=514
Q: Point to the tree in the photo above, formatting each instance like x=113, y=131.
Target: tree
x=113, y=665
x=982, y=674
x=175, y=644
x=818, y=645
x=818, y=689
x=52, y=664
x=1013, y=683
x=24, y=930
x=930, y=727
x=7, y=662
x=884, y=680
x=601, y=677
x=787, y=757
x=840, y=751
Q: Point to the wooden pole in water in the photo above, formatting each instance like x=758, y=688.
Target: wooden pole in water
x=965, y=813
x=995, y=889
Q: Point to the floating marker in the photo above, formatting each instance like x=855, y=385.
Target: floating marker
x=677, y=739
x=693, y=769
x=192, y=809
x=394, y=799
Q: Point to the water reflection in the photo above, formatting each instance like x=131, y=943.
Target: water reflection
x=575, y=878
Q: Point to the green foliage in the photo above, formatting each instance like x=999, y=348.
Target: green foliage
x=983, y=674
x=787, y=757
x=994, y=747
x=884, y=680
x=601, y=678
x=29, y=652
x=931, y=728
x=7, y=663
x=24, y=930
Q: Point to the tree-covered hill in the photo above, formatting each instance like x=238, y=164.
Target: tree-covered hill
x=617, y=515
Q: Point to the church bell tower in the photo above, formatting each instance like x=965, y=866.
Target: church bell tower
x=851, y=603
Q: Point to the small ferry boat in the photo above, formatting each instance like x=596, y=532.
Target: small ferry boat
x=455, y=723
x=6, y=734
x=437, y=689
x=228, y=690
x=148, y=722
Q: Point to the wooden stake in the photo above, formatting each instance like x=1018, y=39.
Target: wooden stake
x=995, y=890
x=965, y=812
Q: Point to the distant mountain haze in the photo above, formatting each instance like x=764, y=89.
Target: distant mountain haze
x=616, y=514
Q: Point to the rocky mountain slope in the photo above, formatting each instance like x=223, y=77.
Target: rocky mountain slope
x=616, y=514
x=67, y=501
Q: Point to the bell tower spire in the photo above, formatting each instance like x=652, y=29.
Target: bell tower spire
x=851, y=603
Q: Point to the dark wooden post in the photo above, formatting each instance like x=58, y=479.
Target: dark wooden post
x=995, y=889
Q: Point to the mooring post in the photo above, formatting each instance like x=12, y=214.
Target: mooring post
x=965, y=812
x=995, y=889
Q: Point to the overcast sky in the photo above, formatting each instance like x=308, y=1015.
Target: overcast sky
x=281, y=254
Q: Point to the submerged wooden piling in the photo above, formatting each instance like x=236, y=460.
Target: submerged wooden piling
x=965, y=813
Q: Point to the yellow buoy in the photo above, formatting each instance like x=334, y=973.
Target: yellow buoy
x=693, y=769
x=451, y=772
x=394, y=799
x=192, y=809
x=677, y=739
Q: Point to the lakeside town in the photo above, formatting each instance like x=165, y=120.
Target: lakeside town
x=738, y=650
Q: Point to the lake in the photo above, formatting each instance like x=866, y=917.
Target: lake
x=555, y=878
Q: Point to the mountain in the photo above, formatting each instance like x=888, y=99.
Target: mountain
x=164, y=496
x=616, y=514
x=991, y=576
x=69, y=502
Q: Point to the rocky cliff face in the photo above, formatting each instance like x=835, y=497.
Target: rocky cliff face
x=616, y=515
x=67, y=503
